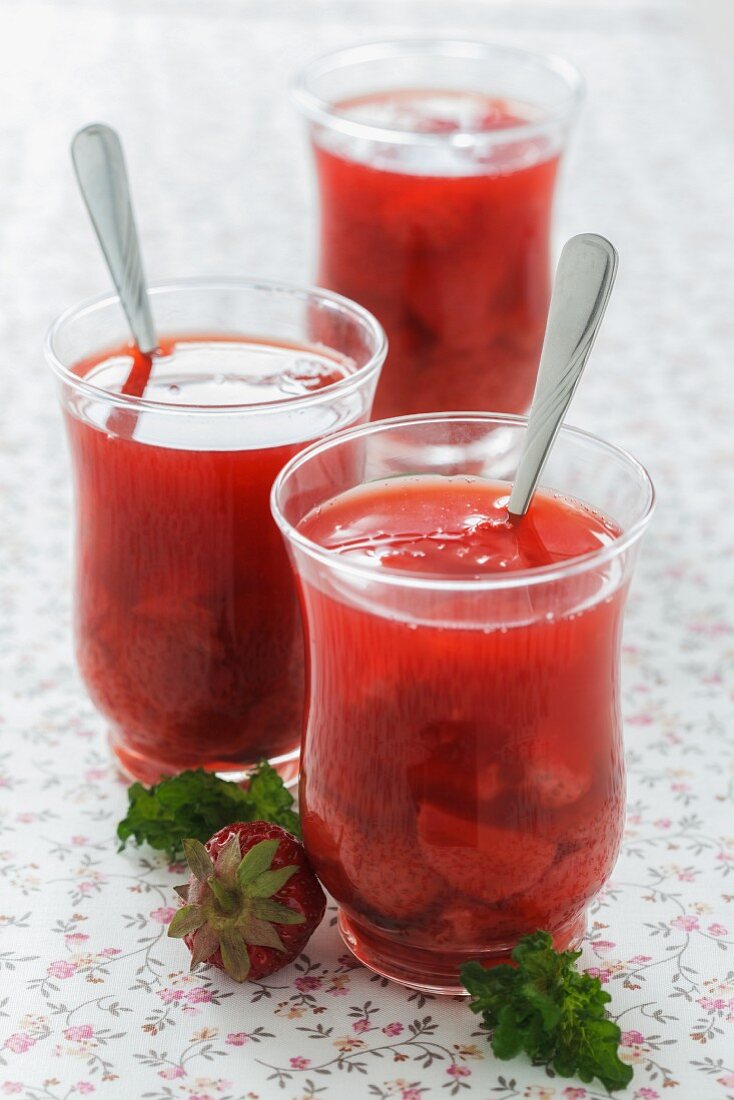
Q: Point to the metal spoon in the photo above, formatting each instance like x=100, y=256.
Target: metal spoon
x=99, y=164
x=584, y=280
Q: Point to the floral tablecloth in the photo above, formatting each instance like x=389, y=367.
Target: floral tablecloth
x=93, y=997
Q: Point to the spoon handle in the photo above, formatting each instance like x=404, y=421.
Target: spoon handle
x=584, y=280
x=99, y=164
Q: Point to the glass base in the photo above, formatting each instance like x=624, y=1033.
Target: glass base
x=429, y=971
x=145, y=769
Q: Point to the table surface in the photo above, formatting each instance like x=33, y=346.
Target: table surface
x=93, y=997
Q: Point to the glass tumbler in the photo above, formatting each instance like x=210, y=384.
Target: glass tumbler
x=437, y=163
x=188, y=633
x=462, y=774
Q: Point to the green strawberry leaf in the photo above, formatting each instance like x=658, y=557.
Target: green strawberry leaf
x=185, y=921
x=268, y=883
x=258, y=859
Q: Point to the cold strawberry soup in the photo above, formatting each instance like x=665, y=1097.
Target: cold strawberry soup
x=451, y=254
x=462, y=775
x=436, y=205
x=188, y=631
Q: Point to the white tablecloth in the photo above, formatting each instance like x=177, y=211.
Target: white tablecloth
x=93, y=997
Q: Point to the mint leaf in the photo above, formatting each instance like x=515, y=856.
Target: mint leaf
x=270, y=800
x=545, y=1008
x=197, y=803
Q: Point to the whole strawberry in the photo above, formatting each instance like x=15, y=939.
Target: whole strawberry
x=252, y=901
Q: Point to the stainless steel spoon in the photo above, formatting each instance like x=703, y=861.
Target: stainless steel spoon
x=584, y=280
x=99, y=164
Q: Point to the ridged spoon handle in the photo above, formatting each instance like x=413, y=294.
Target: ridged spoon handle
x=584, y=280
x=99, y=164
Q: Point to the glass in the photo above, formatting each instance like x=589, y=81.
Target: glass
x=462, y=777
x=436, y=163
x=188, y=631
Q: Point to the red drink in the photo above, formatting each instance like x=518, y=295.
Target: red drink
x=463, y=779
x=188, y=629
x=189, y=636
x=447, y=244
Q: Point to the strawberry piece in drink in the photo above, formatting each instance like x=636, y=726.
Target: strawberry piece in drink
x=480, y=860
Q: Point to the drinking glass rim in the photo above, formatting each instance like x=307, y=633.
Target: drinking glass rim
x=333, y=391
x=325, y=113
x=520, y=578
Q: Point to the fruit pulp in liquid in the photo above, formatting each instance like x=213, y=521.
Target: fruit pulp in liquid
x=447, y=246
x=188, y=630
x=462, y=774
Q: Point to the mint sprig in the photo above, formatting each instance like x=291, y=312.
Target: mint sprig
x=197, y=804
x=546, y=1009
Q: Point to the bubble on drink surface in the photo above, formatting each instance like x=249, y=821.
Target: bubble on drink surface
x=307, y=374
x=220, y=373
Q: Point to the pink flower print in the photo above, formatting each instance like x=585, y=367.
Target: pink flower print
x=392, y=1029
x=11, y=1087
x=305, y=985
x=647, y=1094
x=685, y=923
x=681, y=787
x=574, y=1094
x=84, y=1087
x=631, y=1038
x=727, y=1081
x=95, y=773
x=237, y=1038
x=717, y=930
x=410, y=1094
x=79, y=841
x=300, y=1063
x=164, y=915
x=360, y=1025
x=76, y=938
x=169, y=996
x=199, y=996
x=725, y=855
x=603, y=945
x=77, y=1034
x=110, y=951
x=170, y=1073
x=663, y=823
x=712, y=1004
x=597, y=972
x=61, y=969
x=26, y=819
x=458, y=1071
x=20, y=1042
x=638, y=959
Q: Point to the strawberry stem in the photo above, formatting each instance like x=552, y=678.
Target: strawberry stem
x=226, y=898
